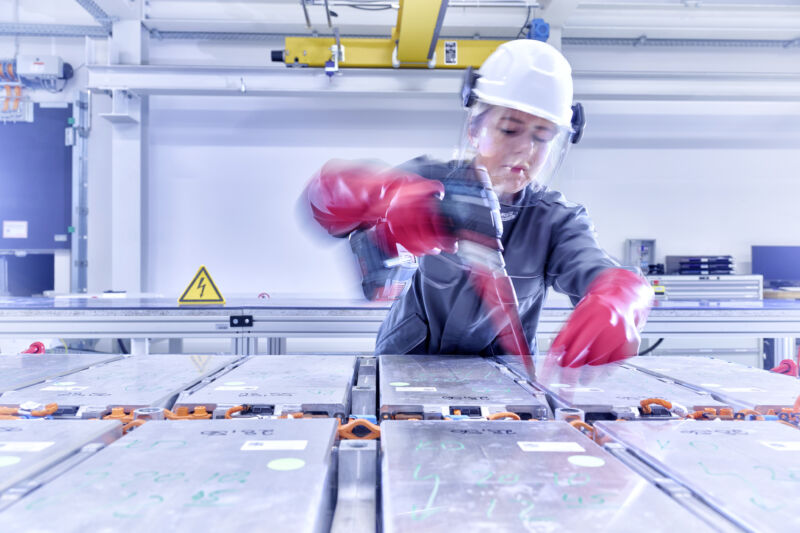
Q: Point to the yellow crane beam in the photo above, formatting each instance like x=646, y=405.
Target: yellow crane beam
x=377, y=53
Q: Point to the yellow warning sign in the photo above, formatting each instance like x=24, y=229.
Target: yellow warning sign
x=202, y=290
x=201, y=362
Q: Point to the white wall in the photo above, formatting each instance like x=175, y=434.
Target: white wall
x=225, y=175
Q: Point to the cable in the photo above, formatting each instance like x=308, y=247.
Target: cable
x=527, y=21
x=651, y=348
x=122, y=347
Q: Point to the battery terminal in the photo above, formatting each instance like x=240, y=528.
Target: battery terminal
x=182, y=413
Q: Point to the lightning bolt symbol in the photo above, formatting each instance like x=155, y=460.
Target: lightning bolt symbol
x=202, y=286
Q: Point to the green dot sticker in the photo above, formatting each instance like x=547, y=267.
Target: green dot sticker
x=9, y=460
x=588, y=461
x=286, y=463
x=399, y=384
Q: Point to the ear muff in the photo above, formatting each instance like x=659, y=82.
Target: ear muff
x=467, y=95
x=578, y=122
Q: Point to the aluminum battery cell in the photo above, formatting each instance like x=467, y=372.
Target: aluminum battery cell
x=742, y=386
x=611, y=391
x=279, y=384
x=748, y=471
x=132, y=382
x=206, y=475
x=21, y=370
x=433, y=387
x=31, y=449
x=514, y=476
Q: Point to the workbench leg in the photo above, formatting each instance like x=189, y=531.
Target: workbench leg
x=276, y=345
x=140, y=346
x=785, y=349
x=175, y=346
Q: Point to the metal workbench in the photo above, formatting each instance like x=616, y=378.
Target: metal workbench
x=746, y=471
x=202, y=475
x=446, y=476
x=245, y=320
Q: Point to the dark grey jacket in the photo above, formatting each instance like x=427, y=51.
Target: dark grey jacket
x=549, y=243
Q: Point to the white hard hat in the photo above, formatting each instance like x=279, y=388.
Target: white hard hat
x=530, y=76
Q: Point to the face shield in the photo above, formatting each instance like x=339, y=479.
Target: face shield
x=520, y=152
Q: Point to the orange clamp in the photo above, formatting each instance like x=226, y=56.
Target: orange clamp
x=504, y=415
x=132, y=424
x=235, y=409
x=583, y=427
x=647, y=402
x=346, y=431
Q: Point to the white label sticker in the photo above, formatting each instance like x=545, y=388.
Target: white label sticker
x=67, y=388
x=742, y=389
x=60, y=237
x=415, y=389
x=237, y=387
x=15, y=229
x=534, y=446
x=584, y=389
x=21, y=446
x=274, y=445
x=783, y=446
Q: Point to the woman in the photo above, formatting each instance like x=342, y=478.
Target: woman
x=520, y=124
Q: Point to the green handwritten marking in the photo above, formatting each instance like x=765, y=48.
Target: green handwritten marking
x=756, y=499
x=428, y=510
x=707, y=445
x=486, y=477
x=234, y=477
x=211, y=478
x=211, y=499
x=491, y=508
x=770, y=470
x=523, y=515
x=573, y=480
x=764, y=506
x=662, y=445
x=165, y=478
x=594, y=499
x=566, y=498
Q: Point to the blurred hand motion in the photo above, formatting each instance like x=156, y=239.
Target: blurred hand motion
x=605, y=325
x=346, y=196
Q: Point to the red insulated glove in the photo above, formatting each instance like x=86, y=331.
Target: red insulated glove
x=345, y=196
x=605, y=325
